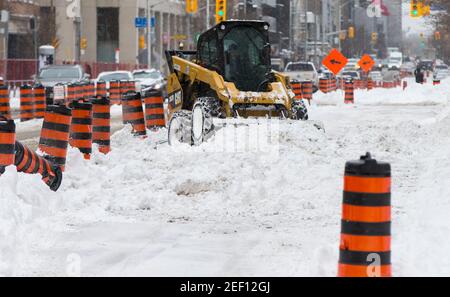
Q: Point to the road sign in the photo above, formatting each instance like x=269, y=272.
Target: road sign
x=140, y=22
x=366, y=63
x=335, y=61
x=152, y=22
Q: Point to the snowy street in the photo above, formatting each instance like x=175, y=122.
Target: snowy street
x=149, y=210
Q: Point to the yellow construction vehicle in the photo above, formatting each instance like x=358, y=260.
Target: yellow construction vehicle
x=230, y=75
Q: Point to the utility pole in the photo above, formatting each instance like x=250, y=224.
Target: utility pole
x=306, y=30
x=149, y=35
x=207, y=14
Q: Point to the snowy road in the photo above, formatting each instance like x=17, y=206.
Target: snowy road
x=147, y=210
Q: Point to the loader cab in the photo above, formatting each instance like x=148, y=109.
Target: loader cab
x=239, y=51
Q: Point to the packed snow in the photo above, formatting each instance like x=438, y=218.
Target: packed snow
x=147, y=209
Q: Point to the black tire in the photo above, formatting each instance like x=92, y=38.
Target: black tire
x=180, y=128
x=299, y=110
x=212, y=106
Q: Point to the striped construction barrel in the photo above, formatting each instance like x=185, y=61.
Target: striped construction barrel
x=71, y=92
x=114, y=92
x=101, y=91
x=154, y=109
x=91, y=90
x=323, y=85
x=81, y=128
x=369, y=84
x=133, y=113
x=55, y=134
x=7, y=143
x=26, y=103
x=5, y=108
x=297, y=89
x=101, y=124
x=30, y=162
x=307, y=90
x=39, y=101
x=349, y=91
x=365, y=247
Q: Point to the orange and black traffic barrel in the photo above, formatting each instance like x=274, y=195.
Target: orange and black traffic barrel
x=39, y=101
x=323, y=85
x=81, y=128
x=26, y=103
x=91, y=90
x=101, y=124
x=369, y=84
x=5, y=108
x=71, y=92
x=79, y=92
x=101, y=89
x=114, y=92
x=133, y=113
x=307, y=90
x=7, y=143
x=349, y=92
x=365, y=247
x=154, y=109
x=297, y=89
x=55, y=134
x=30, y=162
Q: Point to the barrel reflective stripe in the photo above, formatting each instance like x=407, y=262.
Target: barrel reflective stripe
x=349, y=91
x=55, y=134
x=40, y=101
x=297, y=89
x=81, y=128
x=307, y=90
x=366, y=218
x=5, y=108
x=101, y=131
x=114, y=92
x=101, y=89
x=133, y=113
x=154, y=109
x=26, y=103
x=7, y=142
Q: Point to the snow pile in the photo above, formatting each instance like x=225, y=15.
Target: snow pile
x=414, y=94
x=149, y=209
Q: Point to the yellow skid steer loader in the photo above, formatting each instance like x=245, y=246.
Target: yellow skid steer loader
x=229, y=75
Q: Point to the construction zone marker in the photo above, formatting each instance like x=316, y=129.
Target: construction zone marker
x=55, y=131
x=349, y=92
x=133, y=113
x=81, y=128
x=5, y=108
x=101, y=124
x=365, y=246
x=26, y=103
x=7, y=143
x=154, y=109
x=39, y=101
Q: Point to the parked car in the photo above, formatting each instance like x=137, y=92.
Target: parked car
x=303, y=71
x=408, y=68
x=350, y=74
x=149, y=79
x=376, y=76
x=277, y=64
x=352, y=65
x=426, y=65
x=109, y=76
x=441, y=72
x=52, y=75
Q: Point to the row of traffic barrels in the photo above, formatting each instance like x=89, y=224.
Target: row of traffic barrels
x=302, y=89
x=327, y=85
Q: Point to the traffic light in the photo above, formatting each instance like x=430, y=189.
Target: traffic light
x=142, y=42
x=437, y=35
x=191, y=6
x=221, y=10
x=374, y=37
x=416, y=8
x=351, y=32
x=342, y=35
x=83, y=43
x=426, y=10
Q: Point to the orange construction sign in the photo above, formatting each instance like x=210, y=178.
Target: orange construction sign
x=335, y=61
x=366, y=63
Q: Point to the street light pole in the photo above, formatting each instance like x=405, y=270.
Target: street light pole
x=207, y=14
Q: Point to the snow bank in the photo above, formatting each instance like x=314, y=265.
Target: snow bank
x=414, y=94
x=149, y=209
